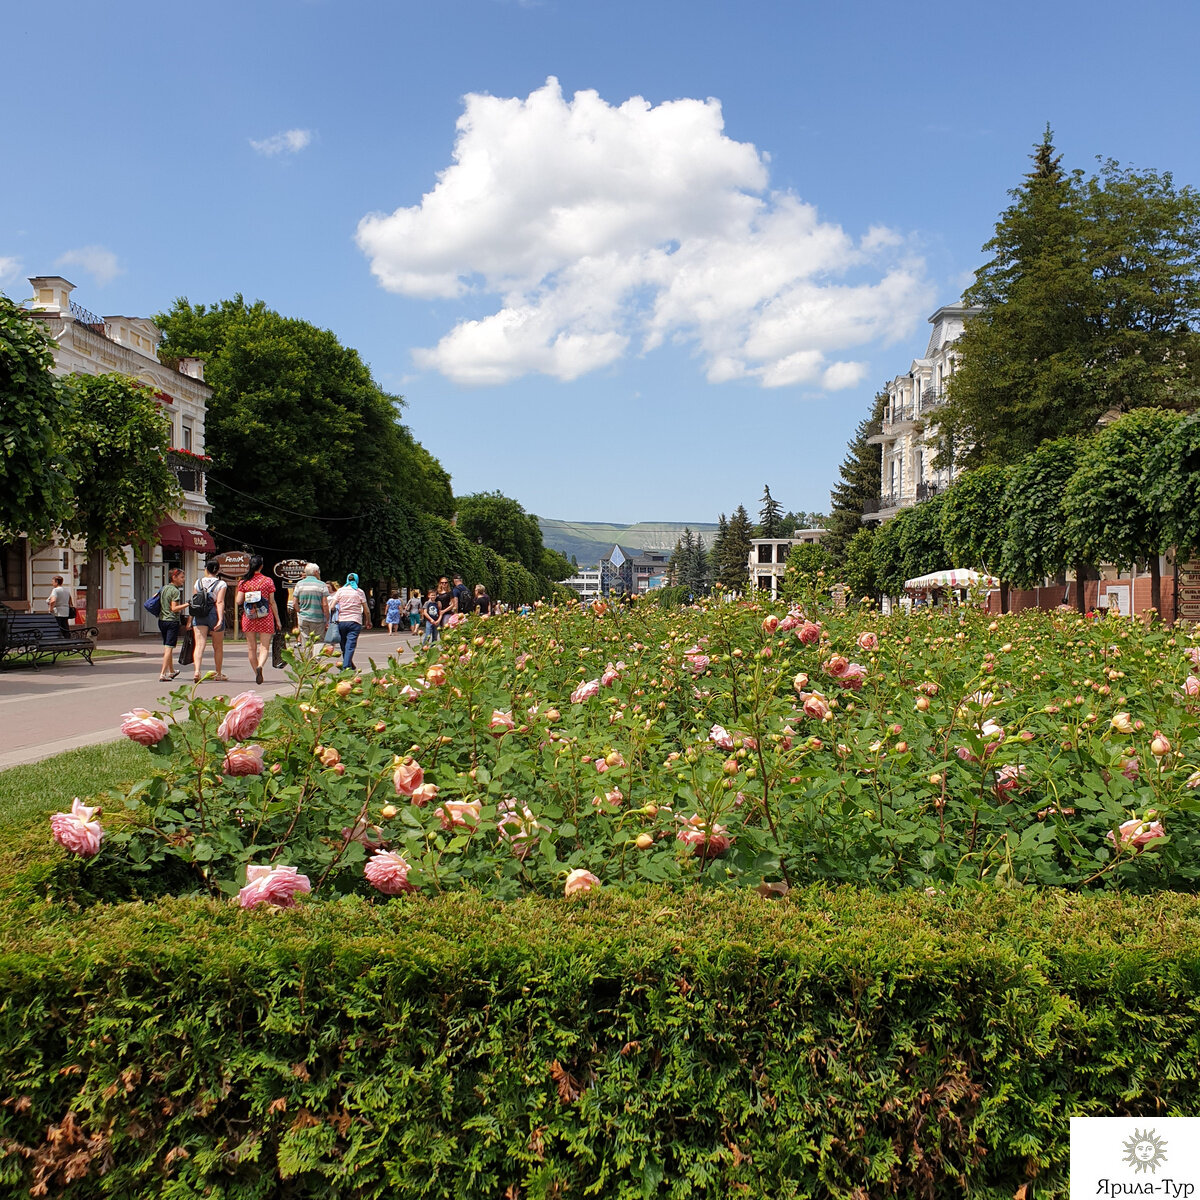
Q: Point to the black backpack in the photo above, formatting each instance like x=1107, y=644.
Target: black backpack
x=201, y=603
x=466, y=602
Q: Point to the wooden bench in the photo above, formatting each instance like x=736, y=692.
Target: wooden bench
x=36, y=636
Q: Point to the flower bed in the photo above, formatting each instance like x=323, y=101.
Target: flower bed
x=725, y=746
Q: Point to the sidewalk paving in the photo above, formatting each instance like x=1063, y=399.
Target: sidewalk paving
x=69, y=704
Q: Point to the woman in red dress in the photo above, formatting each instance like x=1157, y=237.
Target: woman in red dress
x=260, y=617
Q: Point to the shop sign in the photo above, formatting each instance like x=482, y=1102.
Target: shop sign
x=1189, y=590
x=234, y=564
x=291, y=569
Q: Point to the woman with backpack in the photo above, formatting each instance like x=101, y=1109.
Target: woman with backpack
x=207, y=608
x=353, y=616
x=260, y=618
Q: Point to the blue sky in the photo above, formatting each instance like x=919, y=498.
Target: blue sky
x=611, y=310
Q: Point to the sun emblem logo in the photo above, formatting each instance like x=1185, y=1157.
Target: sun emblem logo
x=1145, y=1150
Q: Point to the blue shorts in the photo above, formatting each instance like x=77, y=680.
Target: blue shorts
x=169, y=631
x=210, y=621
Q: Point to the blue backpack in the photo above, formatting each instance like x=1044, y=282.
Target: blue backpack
x=154, y=605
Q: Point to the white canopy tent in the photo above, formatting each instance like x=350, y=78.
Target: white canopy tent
x=954, y=578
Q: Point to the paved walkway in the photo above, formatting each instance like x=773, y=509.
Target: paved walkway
x=57, y=708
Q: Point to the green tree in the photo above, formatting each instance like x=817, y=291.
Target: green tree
x=887, y=554
x=770, y=516
x=34, y=489
x=499, y=521
x=1174, y=485
x=303, y=439
x=735, y=552
x=858, y=565
x=975, y=521
x=1108, y=517
x=116, y=441
x=922, y=540
x=688, y=565
x=717, y=553
x=805, y=570
x=555, y=566
x=859, y=483
x=1035, y=542
x=1089, y=303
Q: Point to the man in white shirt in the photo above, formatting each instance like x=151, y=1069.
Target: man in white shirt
x=310, y=599
x=59, y=604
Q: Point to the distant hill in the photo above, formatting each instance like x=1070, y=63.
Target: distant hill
x=590, y=541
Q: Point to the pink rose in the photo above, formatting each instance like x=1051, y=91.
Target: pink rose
x=698, y=663
x=76, y=831
x=1192, y=686
x=501, y=723
x=809, y=633
x=423, y=794
x=409, y=694
x=140, y=726
x=1193, y=655
x=1008, y=778
x=585, y=691
x=460, y=812
x=580, y=881
x=436, y=674
x=837, y=666
x=243, y=760
x=408, y=776
x=708, y=841
x=611, y=674
x=1131, y=769
x=275, y=886
x=770, y=624
x=816, y=708
x=720, y=736
x=245, y=712
x=519, y=828
x=387, y=872
x=1135, y=834
x=853, y=676
x=867, y=641
x=601, y=766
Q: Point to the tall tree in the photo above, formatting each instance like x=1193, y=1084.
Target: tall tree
x=34, y=488
x=717, y=553
x=116, y=441
x=1174, y=489
x=735, y=553
x=1089, y=303
x=859, y=483
x=858, y=565
x=303, y=439
x=770, y=516
x=1035, y=542
x=1019, y=378
x=496, y=520
x=1108, y=517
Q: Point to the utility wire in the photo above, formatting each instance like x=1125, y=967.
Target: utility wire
x=290, y=511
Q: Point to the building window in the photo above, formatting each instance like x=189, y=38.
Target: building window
x=12, y=571
x=764, y=583
x=781, y=554
x=187, y=437
x=764, y=554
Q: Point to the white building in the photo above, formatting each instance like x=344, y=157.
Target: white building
x=907, y=471
x=585, y=581
x=767, y=562
x=86, y=344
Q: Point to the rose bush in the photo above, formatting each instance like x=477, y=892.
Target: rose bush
x=721, y=745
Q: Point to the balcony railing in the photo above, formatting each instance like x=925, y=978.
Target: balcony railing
x=927, y=490
x=191, y=478
x=86, y=317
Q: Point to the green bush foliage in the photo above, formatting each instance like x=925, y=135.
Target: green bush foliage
x=836, y=1043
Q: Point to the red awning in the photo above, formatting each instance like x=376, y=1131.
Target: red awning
x=187, y=537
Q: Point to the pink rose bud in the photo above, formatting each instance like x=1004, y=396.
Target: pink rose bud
x=436, y=675
x=580, y=881
x=408, y=776
x=243, y=760
x=1159, y=745
x=76, y=831
x=140, y=726
x=770, y=624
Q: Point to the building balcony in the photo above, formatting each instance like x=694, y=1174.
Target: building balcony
x=189, y=469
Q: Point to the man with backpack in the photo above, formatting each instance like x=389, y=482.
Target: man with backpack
x=461, y=593
x=207, y=610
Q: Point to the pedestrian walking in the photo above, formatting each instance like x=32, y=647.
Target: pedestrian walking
x=352, y=616
x=207, y=608
x=310, y=599
x=393, y=613
x=432, y=616
x=173, y=605
x=462, y=596
x=260, y=617
x=483, y=602
x=414, y=611
x=59, y=604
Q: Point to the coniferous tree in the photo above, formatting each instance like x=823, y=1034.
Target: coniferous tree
x=860, y=480
x=735, y=552
x=770, y=516
x=717, y=553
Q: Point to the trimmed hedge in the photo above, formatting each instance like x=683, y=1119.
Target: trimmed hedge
x=836, y=1043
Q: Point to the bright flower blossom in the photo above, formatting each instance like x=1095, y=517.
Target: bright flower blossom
x=501, y=723
x=240, y=723
x=275, y=886
x=585, y=691
x=387, y=872
x=423, y=794
x=459, y=812
x=1136, y=835
x=708, y=841
x=816, y=707
x=770, y=624
x=580, y=881
x=837, y=666
x=408, y=776
x=243, y=760
x=140, y=726
x=76, y=831
x=1122, y=722
x=720, y=736
x=1191, y=686
x=868, y=641
x=436, y=674
x=809, y=633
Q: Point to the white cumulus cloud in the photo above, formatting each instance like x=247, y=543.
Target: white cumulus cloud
x=290, y=141
x=10, y=270
x=601, y=230
x=100, y=263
